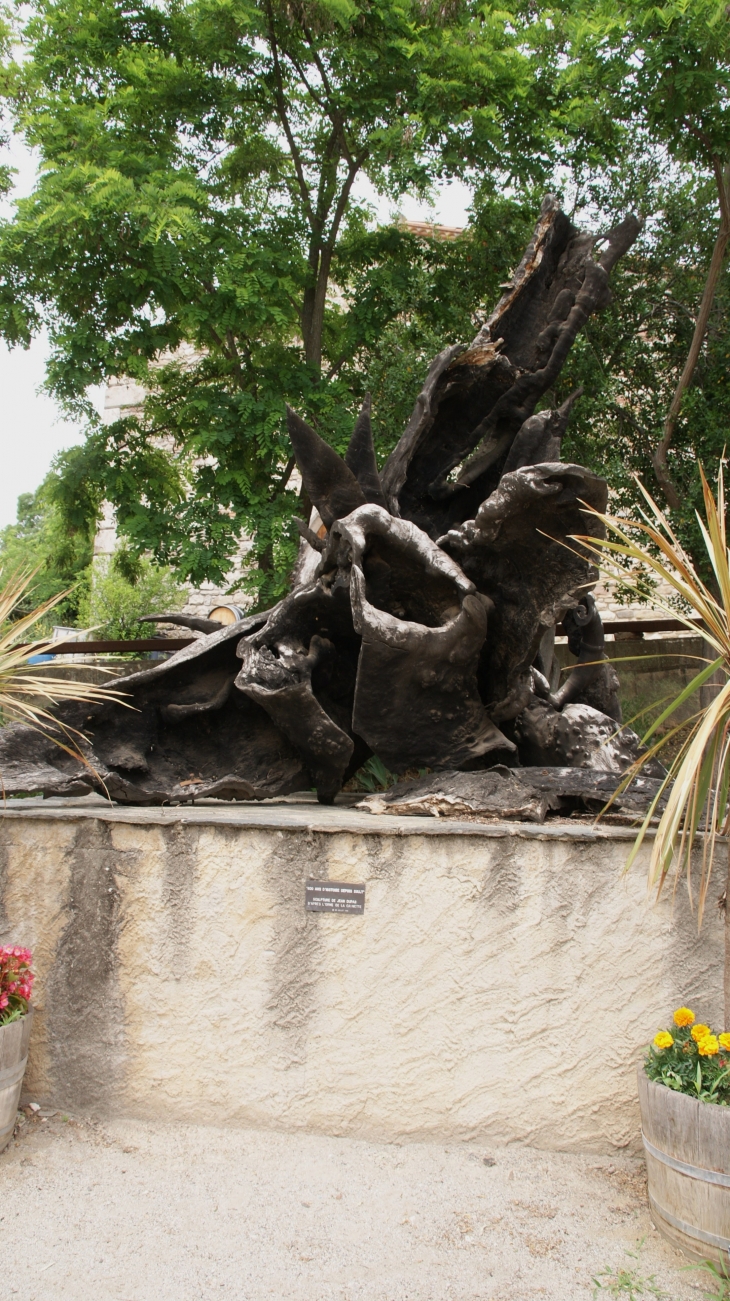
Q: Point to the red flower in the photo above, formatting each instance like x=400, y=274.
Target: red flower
x=16, y=977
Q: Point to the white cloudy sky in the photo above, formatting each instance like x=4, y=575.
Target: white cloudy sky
x=31, y=427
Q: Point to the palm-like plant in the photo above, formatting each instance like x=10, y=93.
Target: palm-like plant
x=698, y=778
x=27, y=693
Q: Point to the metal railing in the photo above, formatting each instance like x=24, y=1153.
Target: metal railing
x=635, y=627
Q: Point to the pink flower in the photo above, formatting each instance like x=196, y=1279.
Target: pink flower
x=16, y=976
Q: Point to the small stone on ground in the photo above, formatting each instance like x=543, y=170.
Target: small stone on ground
x=139, y=1211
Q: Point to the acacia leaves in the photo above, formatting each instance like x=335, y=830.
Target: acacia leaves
x=196, y=203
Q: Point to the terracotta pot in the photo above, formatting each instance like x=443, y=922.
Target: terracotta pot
x=13, y=1058
x=687, y=1146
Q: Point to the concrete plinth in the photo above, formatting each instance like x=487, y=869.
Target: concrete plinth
x=500, y=983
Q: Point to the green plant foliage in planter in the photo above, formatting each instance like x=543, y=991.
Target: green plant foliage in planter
x=16, y=986
x=16, y=983
x=690, y=1058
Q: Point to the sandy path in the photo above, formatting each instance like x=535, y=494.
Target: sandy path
x=148, y=1212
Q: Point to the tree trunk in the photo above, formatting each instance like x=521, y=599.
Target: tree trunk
x=315, y=314
x=312, y=343
x=320, y=263
x=659, y=457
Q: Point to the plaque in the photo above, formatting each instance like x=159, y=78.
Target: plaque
x=334, y=897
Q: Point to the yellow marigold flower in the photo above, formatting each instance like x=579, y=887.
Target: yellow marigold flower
x=683, y=1016
x=699, y=1031
x=663, y=1039
x=708, y=1046
x=724, y=1040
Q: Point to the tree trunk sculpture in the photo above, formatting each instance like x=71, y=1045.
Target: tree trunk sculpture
x=426, y=596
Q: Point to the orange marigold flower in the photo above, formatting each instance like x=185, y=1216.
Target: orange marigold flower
x=683, y=1016
x=724, y=1040
x=708, y=1046
x=699, y=1031
x=663, y=1039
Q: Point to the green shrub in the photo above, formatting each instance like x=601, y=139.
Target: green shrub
x=115, y=602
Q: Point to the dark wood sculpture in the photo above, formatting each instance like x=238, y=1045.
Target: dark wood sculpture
x=425, y=599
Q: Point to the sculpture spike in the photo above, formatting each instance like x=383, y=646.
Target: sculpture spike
x=360, y=457
x=331, y=485
x=538, y=440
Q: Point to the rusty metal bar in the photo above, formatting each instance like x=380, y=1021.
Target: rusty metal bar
x=111, y=647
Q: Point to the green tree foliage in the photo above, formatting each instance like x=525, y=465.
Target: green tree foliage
x=665, y=69
x=412, y=296
x=110, y=595
x=118, y=596
x=629, y=356
x=200, y=165
x=41, y=541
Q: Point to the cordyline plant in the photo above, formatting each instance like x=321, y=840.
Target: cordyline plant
x=698, y=778
x=27, y=692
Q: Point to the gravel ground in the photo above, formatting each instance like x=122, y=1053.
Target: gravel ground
x=149, y=1212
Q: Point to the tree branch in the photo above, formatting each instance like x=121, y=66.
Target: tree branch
x=283, y=117
x=315, y=321
x=310, y=89
x=334, y=113
x=355, y=166
x=286, y=474
x=327, y=179
x=659, y=458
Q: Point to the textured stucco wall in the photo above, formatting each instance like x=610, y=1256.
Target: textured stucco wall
x=500, y=982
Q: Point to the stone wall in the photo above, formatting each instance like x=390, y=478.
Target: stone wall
x=611, y=608
x=500, y=984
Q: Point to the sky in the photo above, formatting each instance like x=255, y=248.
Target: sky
x=32, y=429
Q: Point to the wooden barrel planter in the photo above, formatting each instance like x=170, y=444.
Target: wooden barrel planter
x=687, y=1146
x=13, y=1057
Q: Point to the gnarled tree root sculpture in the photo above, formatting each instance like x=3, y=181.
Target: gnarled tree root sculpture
x=425, y=597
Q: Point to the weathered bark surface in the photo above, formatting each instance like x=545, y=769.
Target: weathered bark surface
x=475, y=401
x=578, y=737
x=423, y=627
x=417, y=699
x=540, y=438
x=192, y=621
x=360, y=457
x=593, y=680
x=331, y=485
x=282, y=685
x=522, y=795
x=187, y=732
x=423, y=613
x=534, y=512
